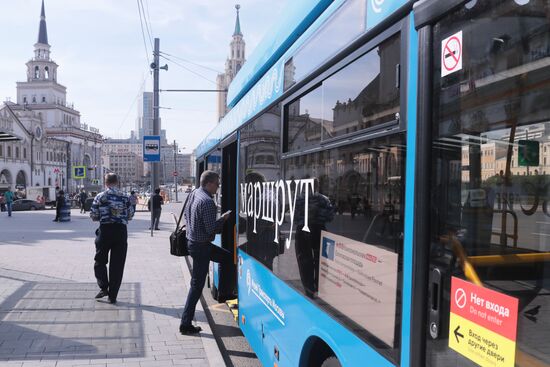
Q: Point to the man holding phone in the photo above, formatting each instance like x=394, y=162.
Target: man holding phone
x=202, y=226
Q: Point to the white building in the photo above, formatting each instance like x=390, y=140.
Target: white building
x=232, y=66
x=42, y=98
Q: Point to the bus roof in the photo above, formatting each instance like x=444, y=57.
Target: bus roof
x=260, y=80
x=297, y=17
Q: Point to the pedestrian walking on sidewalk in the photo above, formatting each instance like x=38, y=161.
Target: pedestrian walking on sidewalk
x=8, y=197
x=59, y=203
x=112, y=209
x=202, y=226
x=133, y=200
x=82, y=198
x=156, y=203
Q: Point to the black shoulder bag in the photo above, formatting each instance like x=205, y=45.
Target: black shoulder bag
x=178, y=238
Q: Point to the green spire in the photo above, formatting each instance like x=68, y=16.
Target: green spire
x=237, y=23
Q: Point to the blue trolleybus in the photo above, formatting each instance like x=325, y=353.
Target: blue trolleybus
x=388, y=166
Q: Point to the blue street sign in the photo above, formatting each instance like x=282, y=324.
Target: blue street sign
x=151, y=148
x=79, y=172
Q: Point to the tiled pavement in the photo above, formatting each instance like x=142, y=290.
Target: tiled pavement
x=48, y=316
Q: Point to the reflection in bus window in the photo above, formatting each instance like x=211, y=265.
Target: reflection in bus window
x=353, y=211
x=362, y=95
x=259, y=163
x=491, y=165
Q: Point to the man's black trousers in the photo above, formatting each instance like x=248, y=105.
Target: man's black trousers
x=113, y=238
x=202, y=253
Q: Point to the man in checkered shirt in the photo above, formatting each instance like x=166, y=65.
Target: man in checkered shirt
x=112, y=209
x=202, y=226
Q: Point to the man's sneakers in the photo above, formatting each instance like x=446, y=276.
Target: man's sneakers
x=189, y=329
x=102, y=293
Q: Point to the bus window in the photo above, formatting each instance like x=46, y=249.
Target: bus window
x=491, y=177
x=259, y=164
x=344, y=234
x=362, y=95
x=214, y=163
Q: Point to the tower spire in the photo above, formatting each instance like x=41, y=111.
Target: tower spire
x=237, y=22
x=43, y=31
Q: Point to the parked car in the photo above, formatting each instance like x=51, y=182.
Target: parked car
x=27, y=204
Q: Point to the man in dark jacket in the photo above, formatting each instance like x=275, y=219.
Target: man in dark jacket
x=82, y=198
x=156, y=207
x=59, y=203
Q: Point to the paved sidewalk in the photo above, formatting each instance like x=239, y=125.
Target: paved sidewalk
x=48, y=316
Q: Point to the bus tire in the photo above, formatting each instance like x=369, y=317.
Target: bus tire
x=331, y=362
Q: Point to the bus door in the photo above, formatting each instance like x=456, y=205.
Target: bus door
x=225, y=283
x=488, y=236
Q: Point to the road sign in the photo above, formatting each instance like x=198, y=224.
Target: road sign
x=528, y=153
x=175, y=173
x=483, y=324
x=151, y=148
x=79, y=171
x=451, y=54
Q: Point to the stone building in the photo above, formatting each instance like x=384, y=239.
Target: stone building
x=233, y=64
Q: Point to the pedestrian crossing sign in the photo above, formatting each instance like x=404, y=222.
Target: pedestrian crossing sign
x=79, y=171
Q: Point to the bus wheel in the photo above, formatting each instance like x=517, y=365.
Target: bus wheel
x=331, y=362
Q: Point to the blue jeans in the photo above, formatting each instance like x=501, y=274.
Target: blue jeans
x=9, y=204
x=200, y=252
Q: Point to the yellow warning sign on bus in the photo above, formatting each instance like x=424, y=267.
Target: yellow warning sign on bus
x=480, y=345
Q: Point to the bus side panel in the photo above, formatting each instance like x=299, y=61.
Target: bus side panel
x=272, y=310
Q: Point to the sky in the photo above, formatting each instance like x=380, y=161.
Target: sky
x=103, y=62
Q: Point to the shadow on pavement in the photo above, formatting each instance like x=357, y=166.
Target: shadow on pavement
x=56, y=320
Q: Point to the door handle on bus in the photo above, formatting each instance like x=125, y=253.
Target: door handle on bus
x=434, y=317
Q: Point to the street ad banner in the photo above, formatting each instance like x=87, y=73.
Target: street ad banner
x=360, y=281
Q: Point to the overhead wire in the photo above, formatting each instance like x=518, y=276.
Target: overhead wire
x=191, y=62
x=189, y=70
x=143, y=34
x=146, y=23
x=140, y=91
x=148, y=16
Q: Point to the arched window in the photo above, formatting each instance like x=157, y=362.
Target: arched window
x=36, y=72
x=9, y=151
x=43, y=99
x=33, y=99
x=25, y=99
x=17, y=152
x=46, y=73
x=24, y=153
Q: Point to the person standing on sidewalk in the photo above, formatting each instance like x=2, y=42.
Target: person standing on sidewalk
x=59, y=203
x=8, y=197
x=82, y=198
x=112, y=209
x=156, y=207
x=133, y=199
x=202, y=226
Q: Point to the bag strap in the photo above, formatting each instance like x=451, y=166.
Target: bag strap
x=183, y=209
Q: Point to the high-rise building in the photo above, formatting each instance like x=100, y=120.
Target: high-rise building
x=233, y=64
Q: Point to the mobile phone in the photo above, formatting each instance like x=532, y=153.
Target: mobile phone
x=227, y=212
